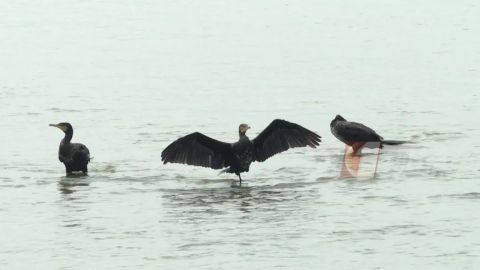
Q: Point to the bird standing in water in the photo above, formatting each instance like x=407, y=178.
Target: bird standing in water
x=200, y=150
x=75, y=156
x=357, y=135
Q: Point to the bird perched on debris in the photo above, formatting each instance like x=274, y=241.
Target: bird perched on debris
x=200, y=150
x=358, y=135
x=75, y=156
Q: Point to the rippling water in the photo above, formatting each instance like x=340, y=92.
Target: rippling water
x=133, y=76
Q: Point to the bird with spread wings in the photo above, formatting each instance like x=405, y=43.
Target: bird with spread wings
x=200, y=150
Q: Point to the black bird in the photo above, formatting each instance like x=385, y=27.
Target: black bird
x=357, y=135
x=75, y=156
x=200, y=150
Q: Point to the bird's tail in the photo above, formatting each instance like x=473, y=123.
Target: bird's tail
x=226, y=170
x=393, y=142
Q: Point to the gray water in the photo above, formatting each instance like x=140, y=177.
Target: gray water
x=132, y=76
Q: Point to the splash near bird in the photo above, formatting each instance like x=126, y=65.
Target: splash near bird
x=358, y=135
x=200, y=150
x=75, y=156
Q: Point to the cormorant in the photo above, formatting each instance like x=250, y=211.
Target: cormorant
x=200, y=150
x=357, y=135
x=75, y=156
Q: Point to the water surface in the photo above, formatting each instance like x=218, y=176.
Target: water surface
x=134, y=76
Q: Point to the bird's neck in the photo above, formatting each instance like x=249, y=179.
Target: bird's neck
x=68, y=137
x=242, y=136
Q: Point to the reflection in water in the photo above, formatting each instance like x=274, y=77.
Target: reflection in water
x=360, y=165
x=246, y=198
x=243, y=195
x=205, y=196
x=69, y=184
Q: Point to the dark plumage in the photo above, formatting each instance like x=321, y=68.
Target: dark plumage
x=357, y=135
x=200, y=150
x=75, y=156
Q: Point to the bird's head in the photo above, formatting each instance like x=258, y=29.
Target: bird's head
x=242, y=129
x=65, y=127
x=336, y=119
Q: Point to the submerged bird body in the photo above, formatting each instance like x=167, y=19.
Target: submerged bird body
x=200, y=150
x=75, y=156
x=357, y=135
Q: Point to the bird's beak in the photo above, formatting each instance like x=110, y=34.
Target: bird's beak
x=248, y=127
x=62, y=128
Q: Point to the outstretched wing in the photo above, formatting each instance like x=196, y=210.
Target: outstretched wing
x=199, y=150
x=355, y=132
x=280, y=136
